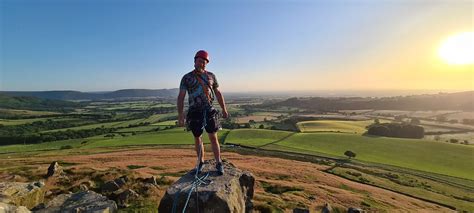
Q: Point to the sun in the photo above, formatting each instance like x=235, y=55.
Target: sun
x=458, y=49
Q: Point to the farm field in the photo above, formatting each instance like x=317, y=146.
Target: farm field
x=448, y=125
x=419, y=186
x=10, y=122
x=177, y=136
x=419, y=114
x=160, y=117
x=356, y=127
x=166, y=123
x=256, y=118
x=415, y=154
x=461, y=137
x=445, y=167
x=115, y=124
x=255, y=137
x=460, y=115
x=26, y=112
x=318, y=144
x=138, y=129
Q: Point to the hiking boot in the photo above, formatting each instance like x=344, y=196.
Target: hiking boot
x=220, y=168
x=199, y=168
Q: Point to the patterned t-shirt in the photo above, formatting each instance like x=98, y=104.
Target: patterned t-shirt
x=196, y=97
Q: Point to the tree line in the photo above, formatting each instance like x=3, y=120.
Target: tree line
x=34, y=138
x=398, y=130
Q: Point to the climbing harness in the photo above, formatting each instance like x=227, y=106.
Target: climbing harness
x=205, y=86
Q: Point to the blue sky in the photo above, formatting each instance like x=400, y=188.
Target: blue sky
x=100, y=45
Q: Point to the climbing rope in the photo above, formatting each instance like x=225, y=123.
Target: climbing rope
x=198, y=181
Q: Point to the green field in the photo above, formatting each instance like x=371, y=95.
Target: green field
x=442, y=158
x=55, y=145
x=115, y=124
x=176, y=136
x=255, y=137
x=20, y=112
x=161, y=117
x=138, y=129
x=357, y=127
x=166, y=123
x=11, y=122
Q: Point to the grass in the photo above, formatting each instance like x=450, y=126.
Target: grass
x=256, y=118
x=442, y=158
x=55, y=145
x=114, y=124
x=357, y=127
x=423, y=155
x=278, y=189
x=138, y=129
x=175, y=136
x=158, y=168
x=10, y=122
x=255, y=137
x=166, y=123
x=161, y=117
x=409, y=184
x=135, y=166
x=26, y=112
x=174, y=174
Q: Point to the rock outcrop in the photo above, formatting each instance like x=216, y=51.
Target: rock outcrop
x=7, y=208
x=114, y=185
x=231, y=192
x=124, y=197
x=22, y=194
x=80, y=202
x=327, y=208
x=354, y=210
x=54, y=170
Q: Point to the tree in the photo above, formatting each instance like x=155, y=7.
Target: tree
x=415, y=121
x=376, y=121
x=350, y=154
x=379, y=130
x=399, y=118
x=441, y=118
x=261, y=126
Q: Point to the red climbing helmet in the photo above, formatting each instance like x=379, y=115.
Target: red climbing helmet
x=202, y=54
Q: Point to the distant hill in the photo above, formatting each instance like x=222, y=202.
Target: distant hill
x=76, y=95
x=442, y=101
x=33, y=103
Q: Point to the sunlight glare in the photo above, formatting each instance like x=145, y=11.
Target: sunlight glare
x=458, y=49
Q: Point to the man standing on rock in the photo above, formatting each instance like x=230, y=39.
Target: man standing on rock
x=202, y=88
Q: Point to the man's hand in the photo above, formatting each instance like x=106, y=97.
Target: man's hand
x=181, y=120
x=225, y=114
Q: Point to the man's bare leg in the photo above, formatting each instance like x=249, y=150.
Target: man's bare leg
x=198, y=144
x=215, y=146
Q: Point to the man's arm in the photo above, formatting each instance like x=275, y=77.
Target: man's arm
x=180, y=103
x=220, y=99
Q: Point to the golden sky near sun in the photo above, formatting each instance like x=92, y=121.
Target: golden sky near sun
x=403, y=55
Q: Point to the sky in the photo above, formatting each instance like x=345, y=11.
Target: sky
x=259, y=45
